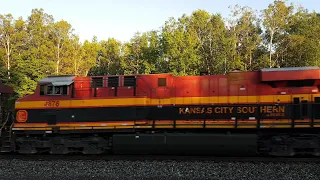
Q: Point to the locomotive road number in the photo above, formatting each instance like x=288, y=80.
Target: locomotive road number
x=52, y=103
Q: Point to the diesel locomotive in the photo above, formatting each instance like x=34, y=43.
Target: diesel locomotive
x=272, y=112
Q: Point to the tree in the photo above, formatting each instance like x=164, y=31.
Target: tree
x=109, y=58
x=40, y=53
x=275, y=20
x=62, y=32
x=89, y=54
x=181, y=47
x=213, y=41
x=200, y=42
x=6, y=33
x=245, y=31
x=76, y=50
x=301, y=44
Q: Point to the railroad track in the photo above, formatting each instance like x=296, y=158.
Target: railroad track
x=157, y=158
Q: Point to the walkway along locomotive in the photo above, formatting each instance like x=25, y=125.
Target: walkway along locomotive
x=272, y=111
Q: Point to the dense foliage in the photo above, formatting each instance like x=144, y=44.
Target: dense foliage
x=281, y=35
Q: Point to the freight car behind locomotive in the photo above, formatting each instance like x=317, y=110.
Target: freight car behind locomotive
x=272, y=111
x=6, y=92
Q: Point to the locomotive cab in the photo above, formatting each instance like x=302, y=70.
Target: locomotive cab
x=48, y=94
x=56, y=86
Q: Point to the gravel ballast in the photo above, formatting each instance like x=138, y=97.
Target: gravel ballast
x=98, y=169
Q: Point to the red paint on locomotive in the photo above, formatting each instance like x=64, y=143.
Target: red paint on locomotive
x=233, y=84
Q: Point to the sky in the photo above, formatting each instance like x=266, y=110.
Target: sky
x=120, y=19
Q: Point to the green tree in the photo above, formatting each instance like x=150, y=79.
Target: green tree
x=301, y=44
x=61, y=34
x=212, y=39
x=7, y=31
x=89, y=54
x=181, y=47
x=76, y=53
x=275, y=20
x=40, y=53
x=111, y=56
x=38, y=46
x=246, y=33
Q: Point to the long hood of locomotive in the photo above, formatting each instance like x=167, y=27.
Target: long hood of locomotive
x=126, y=109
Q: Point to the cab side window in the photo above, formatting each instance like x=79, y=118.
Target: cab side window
x=53, y=90
x=42, y=90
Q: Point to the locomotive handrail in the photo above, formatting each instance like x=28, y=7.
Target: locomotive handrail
x=12, y=123
x=5, y=123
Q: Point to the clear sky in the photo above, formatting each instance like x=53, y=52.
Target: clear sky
x=122, y=18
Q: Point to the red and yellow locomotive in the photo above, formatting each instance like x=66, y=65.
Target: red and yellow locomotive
x=270, y=111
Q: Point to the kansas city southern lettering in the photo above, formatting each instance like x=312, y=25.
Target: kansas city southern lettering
x=271, y=110
x=208, y=110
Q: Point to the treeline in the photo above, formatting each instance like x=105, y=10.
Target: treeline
x=281, y=35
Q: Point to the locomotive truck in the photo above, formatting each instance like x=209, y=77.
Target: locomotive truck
x=272, y=112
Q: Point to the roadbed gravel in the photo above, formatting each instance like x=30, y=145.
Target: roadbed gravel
x=101, y=169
